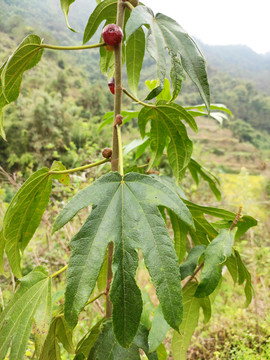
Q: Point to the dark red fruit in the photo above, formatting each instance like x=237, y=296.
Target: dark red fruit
x=111, y=85
x=112, y=34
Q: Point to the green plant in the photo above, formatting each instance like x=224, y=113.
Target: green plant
x=130, y=210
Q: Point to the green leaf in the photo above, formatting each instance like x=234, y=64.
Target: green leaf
x=158, y=330
x=138, y=197
x=148, y=309
x=162, y=352
x=196, y=169
x=106, y=10
x=205, y=232
x=65, y=4
x=107, y=347
x=180, y=231
x=182, y=339
x=216, y=253
x=232, y=267
x=134, y=58
x=205, y=304
x=88, y=341
x=102, y=278
x=166, y=121
x=63, y=178
x=165, y=33
x=23, y=216
x=106, y=62
x=219, y=213
x=177, y=75
x=134, y=145
x=188, y=267
x=245, y=223
x=42, y=320
x=26, y=56
x=219, y=107
x=244, y=275
x=58, y=332
x=16, y=319
x=2, y=250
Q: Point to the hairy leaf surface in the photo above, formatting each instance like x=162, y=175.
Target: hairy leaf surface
x=125, y=211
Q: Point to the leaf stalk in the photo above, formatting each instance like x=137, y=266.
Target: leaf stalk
x=59, y=271
x=81, y=168
x=80, y=47
x=137, y=100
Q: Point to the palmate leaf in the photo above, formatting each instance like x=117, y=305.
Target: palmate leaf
x=16, y=320
x=26, y=56
x=166, y=121
x=165, y=33
x=106, y=346
x=125, y=211
x=65, y=4
x=215, y=256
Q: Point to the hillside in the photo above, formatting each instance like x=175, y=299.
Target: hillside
x=241, y=62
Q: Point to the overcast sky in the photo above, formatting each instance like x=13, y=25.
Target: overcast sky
x=218, y=22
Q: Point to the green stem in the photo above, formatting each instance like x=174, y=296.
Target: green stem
x=80, y=47
x=121, y=162
x=137, y=100
x=95, y=298
x=59, y=271
x=128, y=5
x=193, y=276
x=88, y=166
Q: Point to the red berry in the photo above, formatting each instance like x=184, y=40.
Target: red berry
x=112, y=34
x=111, y=85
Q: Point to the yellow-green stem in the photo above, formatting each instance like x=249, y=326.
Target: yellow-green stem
x=128, y=5
x=59, y=271
x=137, y=100
x=95, y=298
x=121, y=162
x=80, y=47
x=81, y=168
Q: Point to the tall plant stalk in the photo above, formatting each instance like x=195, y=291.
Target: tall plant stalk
x=116, y=132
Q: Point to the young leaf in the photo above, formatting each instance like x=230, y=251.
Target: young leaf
x=16, y=319
x=134, y=58
x=106, y=10
x=205, y=232
x=165, y=33
x=2, y=250
x=158, y=330
x=215, y=255
x=166, y=121
x=138, y=197
x=23, y=216
x=65, y=4
x=188, y=267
